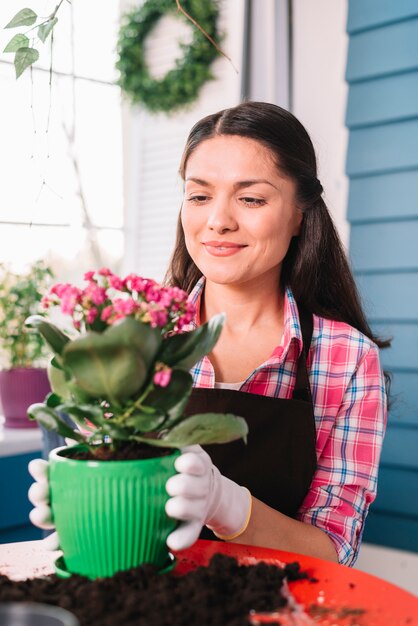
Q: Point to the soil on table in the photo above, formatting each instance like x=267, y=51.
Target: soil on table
x=222, y=594
x=126, y=451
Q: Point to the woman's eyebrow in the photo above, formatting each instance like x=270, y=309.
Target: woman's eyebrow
x=199, y=181
x=239, y=185
x=250, y=183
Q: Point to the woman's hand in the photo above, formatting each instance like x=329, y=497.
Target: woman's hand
x=202, y=496
x=41, y=515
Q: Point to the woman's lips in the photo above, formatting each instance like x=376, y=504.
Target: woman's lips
x=222, y=248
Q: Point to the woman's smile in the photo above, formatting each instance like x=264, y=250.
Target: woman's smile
x=223, y=248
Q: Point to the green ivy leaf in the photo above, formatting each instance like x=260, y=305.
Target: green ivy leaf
x=45, y=29
x=24, y=58
x=25, y=17
x=48, y=418
x=54, y=337
x=18, y=41
x=184, y=350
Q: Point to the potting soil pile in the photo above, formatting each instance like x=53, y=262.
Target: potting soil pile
x=223, y=593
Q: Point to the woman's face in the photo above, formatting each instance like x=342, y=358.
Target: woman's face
x=239, y=212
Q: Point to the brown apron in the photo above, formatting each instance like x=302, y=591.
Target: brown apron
x=279, y=460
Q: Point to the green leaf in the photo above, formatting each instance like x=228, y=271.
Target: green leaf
x=45, y=29
x=82, y=412
x=173, y=399
x=58, y=381
x=184, y=350
x=56, y=363
x=113, y=365
x=143, y=337
x=25, y=17
x=18, y=41
x=52, y=400
x=24, y=58
x=48, y=418
x=145, y=421
x=54, y=337
x=202, y=428
x=115, y=431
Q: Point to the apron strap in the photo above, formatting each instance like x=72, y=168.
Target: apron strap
x=302, y=390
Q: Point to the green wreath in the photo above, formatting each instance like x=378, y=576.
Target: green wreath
x=181, y=84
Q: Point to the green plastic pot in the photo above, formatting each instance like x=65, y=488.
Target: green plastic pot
x=110, y=515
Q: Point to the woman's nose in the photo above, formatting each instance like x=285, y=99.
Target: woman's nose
x=221, y=217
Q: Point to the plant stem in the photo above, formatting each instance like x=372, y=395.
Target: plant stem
x=137, y=404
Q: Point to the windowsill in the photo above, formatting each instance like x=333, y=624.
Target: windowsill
x=19, y=440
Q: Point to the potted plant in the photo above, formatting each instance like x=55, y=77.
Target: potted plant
x=23, y=378
x=123, y=377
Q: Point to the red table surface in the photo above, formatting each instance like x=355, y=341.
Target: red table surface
x=342, y=596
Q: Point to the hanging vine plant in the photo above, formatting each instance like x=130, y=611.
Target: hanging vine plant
x=181, y=84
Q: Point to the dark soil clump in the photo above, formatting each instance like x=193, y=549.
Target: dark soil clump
x=222, y=594
x=126, y=451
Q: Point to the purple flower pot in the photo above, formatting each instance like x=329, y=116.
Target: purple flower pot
x=19, y=388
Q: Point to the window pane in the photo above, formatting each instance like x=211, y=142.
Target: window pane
x=68, y=250
x=24, y=155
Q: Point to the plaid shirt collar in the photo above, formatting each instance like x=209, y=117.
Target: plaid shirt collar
x=292, y=332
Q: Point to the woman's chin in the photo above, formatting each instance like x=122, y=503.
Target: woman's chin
x=227, y=279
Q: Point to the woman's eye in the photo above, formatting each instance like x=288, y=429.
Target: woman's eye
x=197, y=199
x=253, y=201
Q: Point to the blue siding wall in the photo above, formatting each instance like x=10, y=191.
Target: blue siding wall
x=382, y=164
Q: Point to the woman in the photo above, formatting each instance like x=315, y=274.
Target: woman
x=253, y=223
x=296, y=357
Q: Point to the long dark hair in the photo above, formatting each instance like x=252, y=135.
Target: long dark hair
x=315, y=267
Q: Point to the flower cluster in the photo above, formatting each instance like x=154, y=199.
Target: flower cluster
x=126, y=375
x=107, y=298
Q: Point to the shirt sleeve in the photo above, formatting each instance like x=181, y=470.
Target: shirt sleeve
x=345, y=481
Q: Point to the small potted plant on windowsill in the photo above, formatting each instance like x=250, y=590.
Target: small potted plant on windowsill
x=124, y=379
x=23, y=355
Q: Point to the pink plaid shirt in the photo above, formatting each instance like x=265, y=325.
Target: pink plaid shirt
x=349, y=399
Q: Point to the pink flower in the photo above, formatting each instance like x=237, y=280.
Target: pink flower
x=59, y=289
x=89, y=275
x=70, y=296
x=115, y=282
x=159, y=318
x=91, y=315
x=165, y=298
x=106, y=313
x=124, y=307
x=162, y=377
x=104, y=271
x=97, y=295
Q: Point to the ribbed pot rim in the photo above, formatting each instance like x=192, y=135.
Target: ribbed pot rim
x=56, y=456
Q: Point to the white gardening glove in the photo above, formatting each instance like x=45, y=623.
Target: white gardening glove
x=202, y=496
x=41, y=515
